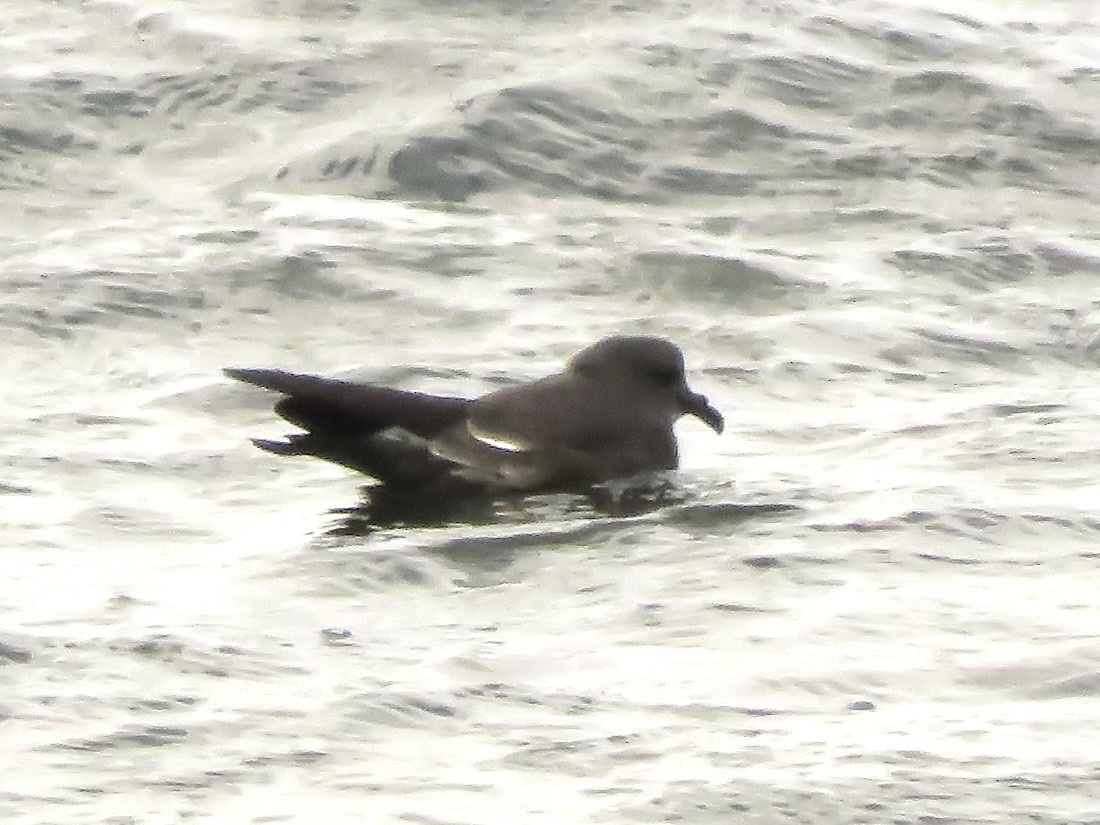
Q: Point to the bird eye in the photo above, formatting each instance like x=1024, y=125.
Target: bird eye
x=666, y=376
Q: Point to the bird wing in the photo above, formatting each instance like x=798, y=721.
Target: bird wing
x=334, y=407
x=558, y=411
x=562, y=431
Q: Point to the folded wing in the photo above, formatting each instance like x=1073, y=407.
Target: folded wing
x=558, y=432
x=378, y=431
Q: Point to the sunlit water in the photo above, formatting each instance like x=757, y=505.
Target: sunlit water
x=872, y=227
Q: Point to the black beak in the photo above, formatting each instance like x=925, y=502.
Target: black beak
x=693, y=403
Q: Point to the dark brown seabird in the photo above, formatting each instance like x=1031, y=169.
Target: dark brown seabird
x=608, y=415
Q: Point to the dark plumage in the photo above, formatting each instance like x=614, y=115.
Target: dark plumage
x=608, y=415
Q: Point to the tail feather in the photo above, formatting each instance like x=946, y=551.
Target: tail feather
x=357, y=426
x=287, y=447
x=402, y=462
x=349, y=409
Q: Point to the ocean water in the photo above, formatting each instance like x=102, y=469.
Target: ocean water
x=874, y=228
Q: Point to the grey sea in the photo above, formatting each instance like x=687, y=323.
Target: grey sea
x=872, y=225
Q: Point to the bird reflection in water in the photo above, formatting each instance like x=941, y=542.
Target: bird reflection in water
x=382, y=506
